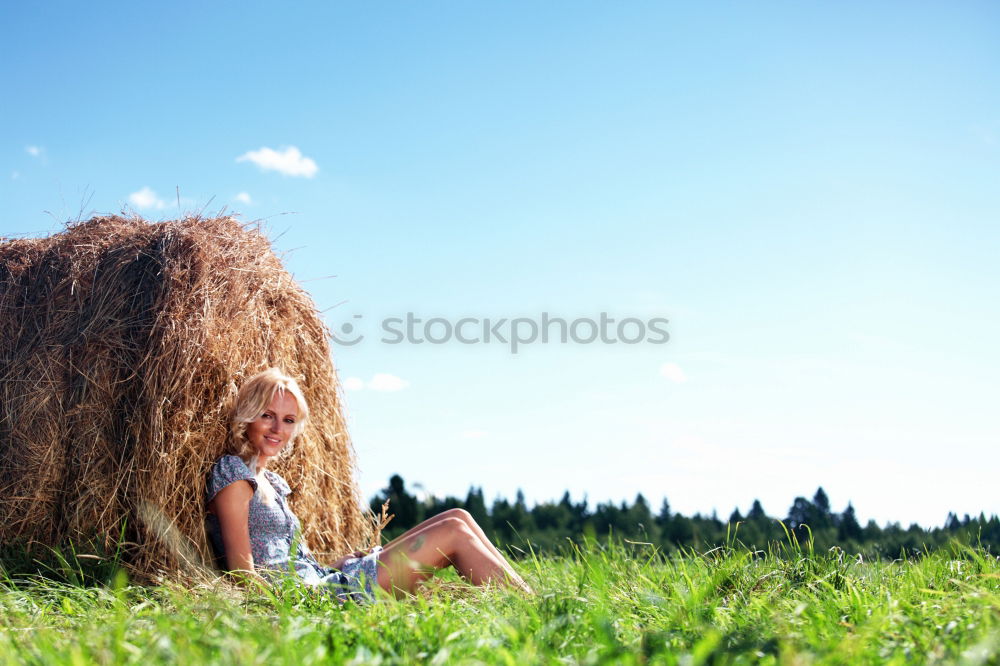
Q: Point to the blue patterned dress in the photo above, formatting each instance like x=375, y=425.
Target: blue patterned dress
x=275, y=536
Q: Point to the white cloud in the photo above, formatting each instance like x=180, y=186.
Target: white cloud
x=382, y=381
x=385, y=382
x=289, y=161
x=146, y=198
x=244, y=198
x=474, y=434
x=353, y=384
x=34, y=151
x=673, y=372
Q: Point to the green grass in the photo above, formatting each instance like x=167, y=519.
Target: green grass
x=618, y=604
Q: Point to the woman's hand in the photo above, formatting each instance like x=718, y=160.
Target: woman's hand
x=249, y=579
x=339, y=564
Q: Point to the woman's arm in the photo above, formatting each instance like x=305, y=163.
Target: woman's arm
x=232, y=507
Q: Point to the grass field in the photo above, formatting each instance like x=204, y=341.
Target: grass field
x=618, y=604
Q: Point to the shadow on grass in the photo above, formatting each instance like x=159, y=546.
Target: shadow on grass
x=84, y=564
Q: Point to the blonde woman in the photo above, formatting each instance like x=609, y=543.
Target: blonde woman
x=253, y=529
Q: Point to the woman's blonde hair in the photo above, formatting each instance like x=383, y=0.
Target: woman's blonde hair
x=252, y=400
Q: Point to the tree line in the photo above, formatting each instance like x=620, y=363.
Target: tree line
x=551, y=525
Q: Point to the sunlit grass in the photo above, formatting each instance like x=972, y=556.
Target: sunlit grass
x=612, y=604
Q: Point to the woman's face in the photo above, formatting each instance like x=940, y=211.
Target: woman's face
x=273, y=429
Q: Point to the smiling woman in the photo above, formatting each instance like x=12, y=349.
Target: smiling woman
x=269, y=409
x=274, y=427
x=253, y=530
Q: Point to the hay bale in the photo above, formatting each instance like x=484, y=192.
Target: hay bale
x=122, y=345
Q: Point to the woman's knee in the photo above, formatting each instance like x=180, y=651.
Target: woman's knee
x=453, y=524
x=454, y=531
x=460, y=514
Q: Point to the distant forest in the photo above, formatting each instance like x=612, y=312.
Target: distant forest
x=552, y=525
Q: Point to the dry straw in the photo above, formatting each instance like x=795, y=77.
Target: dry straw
x=122, y=345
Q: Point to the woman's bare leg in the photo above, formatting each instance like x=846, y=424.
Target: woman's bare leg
x=473, y=526
x=435, y=544
x=478, y=531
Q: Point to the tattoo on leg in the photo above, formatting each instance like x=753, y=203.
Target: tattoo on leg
x=417, y=543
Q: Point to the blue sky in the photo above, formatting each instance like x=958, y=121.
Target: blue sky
x=808, y=193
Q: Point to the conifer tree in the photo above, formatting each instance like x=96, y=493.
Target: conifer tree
x=402, y=505
x=476, y=506
x=849, y=527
